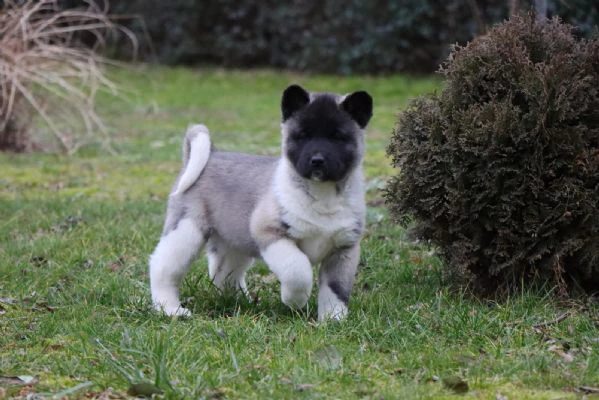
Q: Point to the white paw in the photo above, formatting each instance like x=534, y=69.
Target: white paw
x=295, y=298
x=174, y=311
x=334, y=314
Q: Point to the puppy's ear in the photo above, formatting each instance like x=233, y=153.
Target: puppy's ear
x=294, y=98
x=359, y=106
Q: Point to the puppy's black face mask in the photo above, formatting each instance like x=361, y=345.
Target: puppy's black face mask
x=323, y=136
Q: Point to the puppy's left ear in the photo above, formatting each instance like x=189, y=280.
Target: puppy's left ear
x=359, y=106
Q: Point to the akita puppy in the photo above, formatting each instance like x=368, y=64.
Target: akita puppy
x=302, y=209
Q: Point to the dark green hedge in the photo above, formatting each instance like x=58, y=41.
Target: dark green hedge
x=340, y=36
x=501, y=170
x=332, y=36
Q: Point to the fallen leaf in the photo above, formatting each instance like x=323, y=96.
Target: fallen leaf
x=363, y=391
x=57, y=185
x=456, y=384
x=567, y=357
x=588, y=389
x=143, y=389
x=18, y=380
x=39, y=261
x=43, y=306
x=114, y=267
x=328, y=357
x=107, y=394
x=217, y=393
x=54, y=346
x=27, y=379
x=416, y=307
x=415, y=259
x=302, y=387
x=69, y=222
x=378, y=202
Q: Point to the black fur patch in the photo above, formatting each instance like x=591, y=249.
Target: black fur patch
x=340, y=291
x=359, y=106
x=321, y=129
x=294, y=98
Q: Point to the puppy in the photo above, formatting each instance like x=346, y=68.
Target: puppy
x=302, y=209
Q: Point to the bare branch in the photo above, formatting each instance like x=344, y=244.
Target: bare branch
x=43, y=63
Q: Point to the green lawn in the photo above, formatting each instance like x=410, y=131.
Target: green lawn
x=76, y=232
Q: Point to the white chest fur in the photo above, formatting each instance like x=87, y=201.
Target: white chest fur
x=319, y=215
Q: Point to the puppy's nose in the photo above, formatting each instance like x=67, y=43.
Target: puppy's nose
x=317, y=160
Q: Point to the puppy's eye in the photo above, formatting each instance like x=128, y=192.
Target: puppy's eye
x=340, y=136
x=298, y=135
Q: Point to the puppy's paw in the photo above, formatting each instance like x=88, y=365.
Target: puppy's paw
x=333, y=314
x=295, y=299
x=174, y=311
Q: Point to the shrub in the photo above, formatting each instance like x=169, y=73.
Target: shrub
x=46, y=72
x=500, y=171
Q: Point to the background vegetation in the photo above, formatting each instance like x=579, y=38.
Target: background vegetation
x=339, y=36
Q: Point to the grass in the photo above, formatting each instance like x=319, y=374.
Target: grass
x=76, y=233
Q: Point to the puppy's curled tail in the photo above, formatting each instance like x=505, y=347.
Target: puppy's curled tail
x=196, y=151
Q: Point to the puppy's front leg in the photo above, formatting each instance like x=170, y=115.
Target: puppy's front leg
x=293, y=269
x=335, y=281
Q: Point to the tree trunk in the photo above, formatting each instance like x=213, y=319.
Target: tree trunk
x=514, y=7
x=481, y=27
x=541, y=10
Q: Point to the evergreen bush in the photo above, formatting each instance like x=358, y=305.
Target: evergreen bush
x=500, y=171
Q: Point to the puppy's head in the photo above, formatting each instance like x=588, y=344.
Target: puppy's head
x=323, y=133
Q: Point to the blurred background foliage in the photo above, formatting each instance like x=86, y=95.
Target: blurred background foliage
x=332, y=36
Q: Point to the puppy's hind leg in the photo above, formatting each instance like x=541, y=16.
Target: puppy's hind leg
x=170, y=261
x=227, y=267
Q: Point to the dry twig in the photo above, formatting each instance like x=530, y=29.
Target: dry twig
x=45, y=69
x=555, y=321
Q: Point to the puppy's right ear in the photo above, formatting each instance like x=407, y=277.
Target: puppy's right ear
x=294, y=98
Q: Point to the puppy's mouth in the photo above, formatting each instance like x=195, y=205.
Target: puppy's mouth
x=317, y=175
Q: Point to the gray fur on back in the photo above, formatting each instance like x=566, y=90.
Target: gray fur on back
x=234, y=179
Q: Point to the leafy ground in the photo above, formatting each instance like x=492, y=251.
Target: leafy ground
x=76, y=232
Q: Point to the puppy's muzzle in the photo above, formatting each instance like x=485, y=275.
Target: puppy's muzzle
x=317, y=161
x=317, y=166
